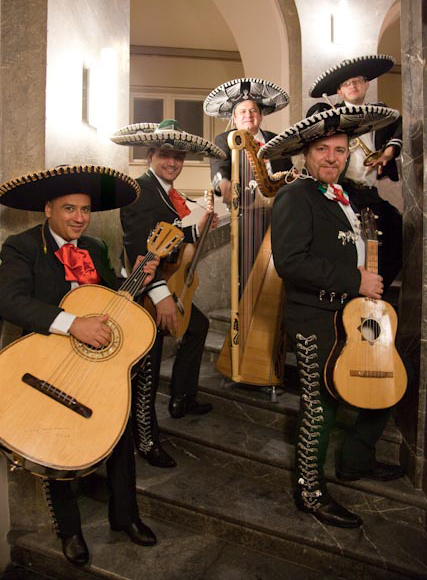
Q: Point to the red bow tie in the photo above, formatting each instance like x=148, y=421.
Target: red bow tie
x=78, y=265
x=178, y=203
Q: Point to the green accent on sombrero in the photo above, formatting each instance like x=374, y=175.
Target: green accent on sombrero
x=169, y=125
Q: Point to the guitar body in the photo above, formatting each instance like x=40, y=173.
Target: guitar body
x=45, y=432
x=182, y=287
x=364, y=367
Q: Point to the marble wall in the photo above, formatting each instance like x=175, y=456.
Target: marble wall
x=413, y=308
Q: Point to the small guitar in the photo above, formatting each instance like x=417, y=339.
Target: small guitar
x=183, y=283
x=364, y=367
x=64, y=404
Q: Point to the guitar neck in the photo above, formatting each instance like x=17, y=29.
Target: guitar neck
x=201, y=243
x=134, y=283
x=371, y=262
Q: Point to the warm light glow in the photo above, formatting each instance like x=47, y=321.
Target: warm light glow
x=341, y=25
x=103, y=87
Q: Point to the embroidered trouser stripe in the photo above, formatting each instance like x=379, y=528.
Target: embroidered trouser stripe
x=143, y=410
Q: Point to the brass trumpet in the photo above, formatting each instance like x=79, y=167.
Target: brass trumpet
x=369, y=155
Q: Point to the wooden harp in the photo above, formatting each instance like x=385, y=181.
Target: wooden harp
x=254, y=350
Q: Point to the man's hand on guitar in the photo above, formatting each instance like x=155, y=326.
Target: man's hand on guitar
x=92, y=330
x=202, y=222
x=371, y=285
x=149, y=268
x=166, y=314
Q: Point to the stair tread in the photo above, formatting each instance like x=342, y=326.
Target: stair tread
x=392, y=536
x=266, y=445
x=181, y=553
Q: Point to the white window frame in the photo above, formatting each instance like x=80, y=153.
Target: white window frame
x=169, y=96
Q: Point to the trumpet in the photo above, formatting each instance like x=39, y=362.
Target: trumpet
x=369, y=155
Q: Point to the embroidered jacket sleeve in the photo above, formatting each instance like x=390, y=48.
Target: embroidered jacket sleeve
x=303, y=248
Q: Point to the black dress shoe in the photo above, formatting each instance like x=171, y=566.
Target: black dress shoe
x=75, y=549
x=177, y=407
x=381, y=472
x=158, y=457
x=196, y=408
x=138, y=532
x=331, y=513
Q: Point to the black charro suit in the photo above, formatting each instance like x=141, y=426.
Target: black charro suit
x=138, y=219
x=32, y=283
x=320, y=274
x=221, y=168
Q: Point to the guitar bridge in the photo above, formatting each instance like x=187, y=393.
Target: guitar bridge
x=372, y=374
x=57, y=395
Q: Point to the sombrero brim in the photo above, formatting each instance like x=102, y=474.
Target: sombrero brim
x=222, y=100
x=107, y=188
x=370, y=66
x=145, y=135
x=352, y=120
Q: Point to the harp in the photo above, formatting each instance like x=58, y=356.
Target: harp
x=254, y=350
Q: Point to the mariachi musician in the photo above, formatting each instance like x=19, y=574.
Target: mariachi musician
x=244, y=102
x=320, y=255
x=166, y=145
x=39, y=266
x=373, y=156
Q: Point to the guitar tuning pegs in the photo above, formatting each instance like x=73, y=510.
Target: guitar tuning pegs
x=376, y=217
x=379, y=233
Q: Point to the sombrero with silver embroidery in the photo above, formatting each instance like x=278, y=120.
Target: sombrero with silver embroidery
x=370, y=67
x=166, y=135
x=222, y=100
x=107, y=188
x=352, y=120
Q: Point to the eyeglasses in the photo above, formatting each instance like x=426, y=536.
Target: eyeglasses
x=356, y=82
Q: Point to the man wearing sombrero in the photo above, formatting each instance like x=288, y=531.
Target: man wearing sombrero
x=319, y=254
x=166, y=145
x=38, y=267
x=244, y=102
x=350, y=80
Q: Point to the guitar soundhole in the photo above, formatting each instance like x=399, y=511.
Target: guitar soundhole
x=103, y=352
x=370, y=329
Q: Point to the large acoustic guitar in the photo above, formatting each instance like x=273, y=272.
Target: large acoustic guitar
x=364, y=367
x=65, y=404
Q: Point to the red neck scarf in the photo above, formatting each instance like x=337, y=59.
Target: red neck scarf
x=334, y=192
x=179, y=203
x=78, y=265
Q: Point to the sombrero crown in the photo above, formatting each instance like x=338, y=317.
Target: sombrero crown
x=166, y=135
x=352, y=120
x=222, y=100
x=107, y=188
x=370, y=66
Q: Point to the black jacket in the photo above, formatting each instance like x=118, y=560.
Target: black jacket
x=32, y=283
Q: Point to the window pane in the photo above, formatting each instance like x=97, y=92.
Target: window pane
x=189, y=115
x=146, y=111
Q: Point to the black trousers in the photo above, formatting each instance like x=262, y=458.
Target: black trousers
x=122, y=508
x=311, y=332
x=185, y=378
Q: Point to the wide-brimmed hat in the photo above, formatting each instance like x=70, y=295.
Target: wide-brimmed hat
x=107, y=188
x=166, y=135
x=370, y=66
x=222, y=100
x=352, y=120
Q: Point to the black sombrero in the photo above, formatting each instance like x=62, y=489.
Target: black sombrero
x=352, y=120
x=370, y=67
x=107, y=188
x=222, y=100
x=166, y=135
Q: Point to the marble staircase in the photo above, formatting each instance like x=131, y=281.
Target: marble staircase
x=226, y=511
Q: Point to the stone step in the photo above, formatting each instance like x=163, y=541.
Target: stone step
x=240, y=400
x=211, y=493
x=219, y=319
x=182, y=553
x=265, y=448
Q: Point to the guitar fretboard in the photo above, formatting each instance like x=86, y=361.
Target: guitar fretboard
x=372, y=256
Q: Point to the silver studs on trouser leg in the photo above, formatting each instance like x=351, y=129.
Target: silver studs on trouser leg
x=143, y=406
x=307, y=448
x=47, y=496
